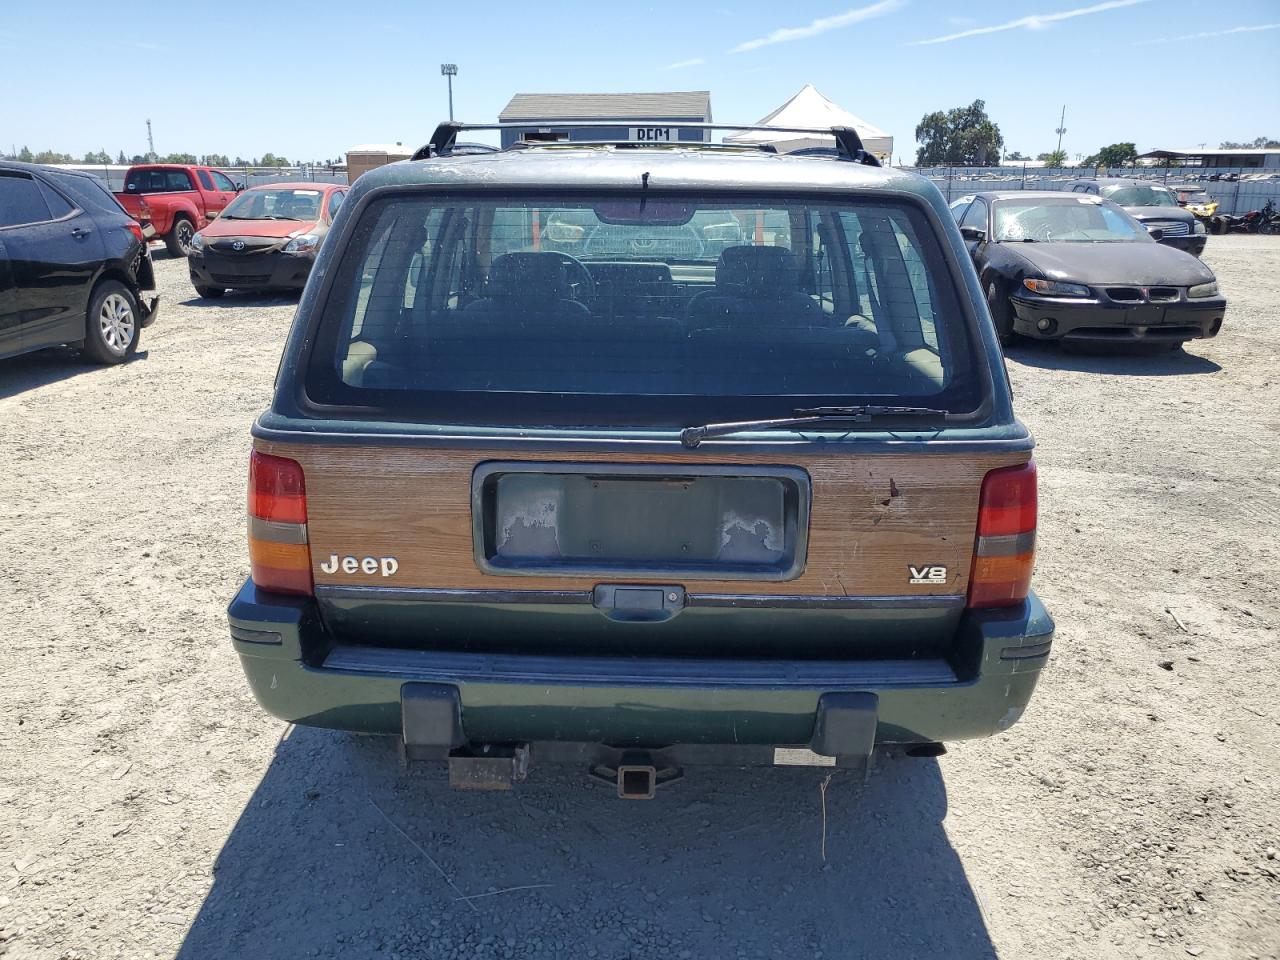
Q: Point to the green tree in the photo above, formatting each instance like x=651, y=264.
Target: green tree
x=271, y=160
x=179, y=158
x=1054, y=158
x=122, y=159
x=963, y=137
x=215, y=160
x=1116, y=155
x=1016, y=155
x=1260, y=143
x=52, y=156
x=101, y=156
x=25, y=155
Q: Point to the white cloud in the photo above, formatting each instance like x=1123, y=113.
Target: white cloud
x=1210, y=33
x=821, y=25
x=1038, y=21
x=681, y=64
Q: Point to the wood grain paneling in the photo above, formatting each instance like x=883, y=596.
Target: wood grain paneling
x=871, y=516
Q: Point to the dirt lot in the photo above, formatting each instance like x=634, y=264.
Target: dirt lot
x=148, y=808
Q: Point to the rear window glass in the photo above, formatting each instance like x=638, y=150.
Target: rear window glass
x=89, y=192
x=560, y=310
x=157, y=181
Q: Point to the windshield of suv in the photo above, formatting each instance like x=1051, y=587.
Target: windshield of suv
x=1140, y=196
x=554, y=309
x=274, y=204
x=1072, y=219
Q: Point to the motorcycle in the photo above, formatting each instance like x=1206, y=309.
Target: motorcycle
x=1252, y=222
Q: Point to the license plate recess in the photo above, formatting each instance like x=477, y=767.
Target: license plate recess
x=715, y=521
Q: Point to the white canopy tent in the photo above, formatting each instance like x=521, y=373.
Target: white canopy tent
x=809, y=108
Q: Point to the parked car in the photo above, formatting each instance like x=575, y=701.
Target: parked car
x=1154, y=206
x=176, y=199
x=652, y=507
x=73, y=265
x=1064, y=266
x=266, y=238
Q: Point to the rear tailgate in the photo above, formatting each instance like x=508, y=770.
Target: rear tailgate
x=831, y=555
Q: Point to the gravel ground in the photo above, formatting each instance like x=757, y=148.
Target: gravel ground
x=148, y=808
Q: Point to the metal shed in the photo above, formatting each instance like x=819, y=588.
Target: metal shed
x=650, y=116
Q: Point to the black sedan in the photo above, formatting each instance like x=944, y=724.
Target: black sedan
x=1069, y=266
x=1153, y=205
x=73, y=265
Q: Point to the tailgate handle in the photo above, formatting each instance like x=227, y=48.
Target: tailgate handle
x=650, y=603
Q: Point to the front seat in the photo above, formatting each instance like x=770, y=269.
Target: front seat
x=755, y=286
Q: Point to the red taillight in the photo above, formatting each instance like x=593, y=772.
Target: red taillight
x=279, y=554
x=1004, y=551
x=135, y=228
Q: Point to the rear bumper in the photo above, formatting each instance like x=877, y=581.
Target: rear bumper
x=1111, y=321
x=273, y=270
x=299, y=676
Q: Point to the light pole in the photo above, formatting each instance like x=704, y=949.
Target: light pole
x=1062, y=127
x=449, y=70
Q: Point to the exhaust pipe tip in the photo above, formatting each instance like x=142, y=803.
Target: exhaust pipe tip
x=926, y=750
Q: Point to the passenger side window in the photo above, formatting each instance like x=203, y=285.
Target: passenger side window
x=21, y=201
x=205, y=180
x=222, y=182
x=56, y=202
x=975, y=216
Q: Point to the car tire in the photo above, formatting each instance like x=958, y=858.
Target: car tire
x=112, y=324
x=209, y=293
x=1001, y=312
x=178, y=240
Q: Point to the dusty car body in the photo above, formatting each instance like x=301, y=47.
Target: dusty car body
x=511, y=504
x=1060, y=266
x=74, y=266
x=267, y=238
x=1154, y=206
x=173, y=201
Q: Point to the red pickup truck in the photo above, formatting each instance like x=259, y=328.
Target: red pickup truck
x=177, y=199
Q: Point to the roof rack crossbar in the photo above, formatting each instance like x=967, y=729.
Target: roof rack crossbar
x=848, y=142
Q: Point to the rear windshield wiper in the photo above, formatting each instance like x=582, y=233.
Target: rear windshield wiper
x=805, y=417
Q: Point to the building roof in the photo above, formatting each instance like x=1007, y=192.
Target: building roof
x=1233, y=152
x=395, y=149
x=685, y=104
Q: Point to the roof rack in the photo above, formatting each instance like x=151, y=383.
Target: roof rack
x=848, y=143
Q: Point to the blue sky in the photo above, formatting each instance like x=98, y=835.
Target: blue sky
x=308, y=80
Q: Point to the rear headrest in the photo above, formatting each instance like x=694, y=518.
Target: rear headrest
x=767, y=273
x=529, y=276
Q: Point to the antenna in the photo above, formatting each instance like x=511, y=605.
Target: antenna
x=151, y=144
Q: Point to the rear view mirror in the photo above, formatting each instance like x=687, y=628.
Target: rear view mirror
x=974, y=234
x=663, y=213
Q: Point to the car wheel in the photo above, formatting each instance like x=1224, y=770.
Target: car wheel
x=1001, y=312
x=209, y=293
x=178, y=240
x=112, y=327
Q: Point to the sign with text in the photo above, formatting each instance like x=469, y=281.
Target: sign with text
x=655, y=134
